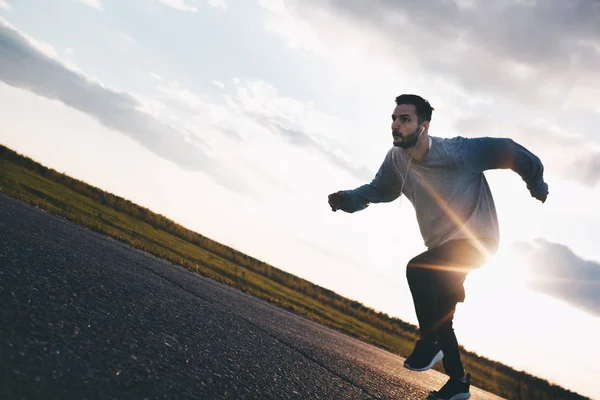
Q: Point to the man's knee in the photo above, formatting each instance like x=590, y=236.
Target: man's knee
x=446, y=325
x=415, y=270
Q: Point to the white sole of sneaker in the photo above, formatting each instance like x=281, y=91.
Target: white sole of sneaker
x=435, y=360
x=459, y=396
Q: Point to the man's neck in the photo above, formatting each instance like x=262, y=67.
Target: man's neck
x=421, y=149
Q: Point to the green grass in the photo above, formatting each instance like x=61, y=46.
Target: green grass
x=27, y=180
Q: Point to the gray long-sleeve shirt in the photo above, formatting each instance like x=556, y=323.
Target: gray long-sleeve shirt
x=448, y=189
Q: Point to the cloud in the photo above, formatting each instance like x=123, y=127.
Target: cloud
x=542, y=53
x=301, y=139
x=156, y=76
x=190, y=5
x=92, y=3
x=4, y=5
x=217, y=4
x=295, y=122
x=176, y=124
x=564, y=153
x=256, y=105
x=34, y=67
x=127, y=38
x=181, y=5
x=589, y=168
x=205, y=113
x=556, y=270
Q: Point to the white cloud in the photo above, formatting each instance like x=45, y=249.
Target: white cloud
x=296, y=123
x=194, y=132
x=253, y=109
x=45, y=48
x=181, y=5
x=92, y=3
x=205, y=112
x=4, y=5
x=191, y=5
x=217, y=4
x=69, y=51
x=174, y=91
x=298, y=33
x=545, y=61
x=474, y=46
x=156, y=76
x=128, y=39
x=151, y=106
x=130, y=114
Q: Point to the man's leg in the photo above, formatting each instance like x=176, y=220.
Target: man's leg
x=458, y=385
x=420, y=273
x=436, y=279
x=424, y=293
x=461, y=258
x=449, y=344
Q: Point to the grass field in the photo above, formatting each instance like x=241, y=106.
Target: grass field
x=27, y=180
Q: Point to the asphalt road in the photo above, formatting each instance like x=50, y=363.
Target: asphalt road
x=83, y=316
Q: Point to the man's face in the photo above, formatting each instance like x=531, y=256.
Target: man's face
x=405, y=126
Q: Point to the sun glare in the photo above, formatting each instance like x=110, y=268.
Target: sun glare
x=502, y=318
x=503, y=271
x=495, y=294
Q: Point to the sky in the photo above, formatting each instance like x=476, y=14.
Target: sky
x=237, y=118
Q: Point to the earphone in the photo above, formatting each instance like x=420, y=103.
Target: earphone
x=410, y=159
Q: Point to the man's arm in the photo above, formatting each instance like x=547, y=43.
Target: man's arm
x=384, y=187
x=481, y=154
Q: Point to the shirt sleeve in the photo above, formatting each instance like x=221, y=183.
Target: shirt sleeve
x=385, y=187
x=481, y=154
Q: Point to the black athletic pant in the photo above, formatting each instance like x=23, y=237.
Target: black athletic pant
x=436, y=279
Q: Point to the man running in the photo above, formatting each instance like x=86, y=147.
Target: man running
x=444, y=181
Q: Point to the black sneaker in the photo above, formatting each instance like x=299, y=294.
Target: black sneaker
x=454, y=389
x=424, y=356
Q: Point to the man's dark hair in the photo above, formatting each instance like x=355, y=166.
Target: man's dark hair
x=424, y=109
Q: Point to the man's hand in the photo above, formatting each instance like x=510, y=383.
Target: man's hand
x=336, y=199
x=540, y=192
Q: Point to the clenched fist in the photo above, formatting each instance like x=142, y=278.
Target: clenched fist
x=540, y=192
x=336, y=199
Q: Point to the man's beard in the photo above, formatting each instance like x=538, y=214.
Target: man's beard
x=410, y=140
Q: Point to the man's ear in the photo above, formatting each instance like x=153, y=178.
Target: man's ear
x=426, y=124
